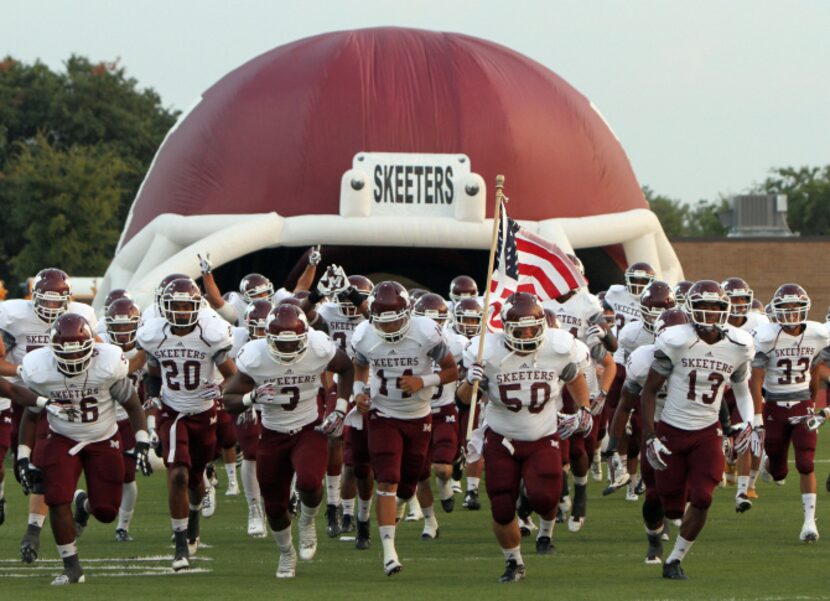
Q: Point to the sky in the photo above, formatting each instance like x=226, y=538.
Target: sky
x=706, y=96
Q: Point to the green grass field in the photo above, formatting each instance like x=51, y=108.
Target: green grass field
x=756, y=555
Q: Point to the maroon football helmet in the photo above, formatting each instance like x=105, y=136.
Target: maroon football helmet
x=463, y=286
x=758, y=307
x=523, y=320
x=389, y=308
x=415, y=294
x=72, y=343
x=122, y=319
x=551, y=319
x=740, y=296
x=669, y=318
x=287, y=333
x=255, y=286
x=113, y=296
x=433, y=306
x=707, y=304
x=638, y=276
x=51, y=293
x=656, y=298
x=256, y=318
x=363, y=285
x=163, y=284
x=681, y=289
x=181, y=302
x=790, y=305
x=466, y=317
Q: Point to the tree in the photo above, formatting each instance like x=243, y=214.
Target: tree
x=91, y=112
x=65, y=206
x=671, y=213
x=703, y=220
x=808, y=197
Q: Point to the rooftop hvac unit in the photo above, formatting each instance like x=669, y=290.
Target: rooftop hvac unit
x=758, y=215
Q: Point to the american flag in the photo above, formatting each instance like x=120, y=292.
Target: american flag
x=526, y=262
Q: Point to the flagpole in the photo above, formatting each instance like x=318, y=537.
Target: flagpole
x=485, y=315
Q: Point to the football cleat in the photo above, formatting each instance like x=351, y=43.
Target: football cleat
x=742, y=503
x=181, y=556
x=654, y=553
x=193, y=546
x=751, y=493
x=363, y=536
x=287, y=567
x=673, y=571
x=122, y=536
x=513, y=571
x=69, y=577
x=181, y=562
x=2, y=510
x=456, y=486
x=333, y=529
x=81, y=514
x=544, y=546
x=596, y=469
x=233, y=489
x=827, y=483
x=526, y=526
x=640, y=485
x=631, y=492
x=30, y=544
x=429, y=533
x=293, y=503
x=561, y=516
x=308, y=540
x=415, y=512
x=256, y=524
x=448, y=504
x=575, y=524
x=665, y=534
x=809, y=532
x=209, y=502
x=392, y=567
x=210, y=473
x=471, y=501
x=348, y=524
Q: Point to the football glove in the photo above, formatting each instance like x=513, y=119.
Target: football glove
x=205, y=266
x=142, y=458
x=655, y=450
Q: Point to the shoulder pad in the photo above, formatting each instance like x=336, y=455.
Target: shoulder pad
x=766, y=332
x=84, y=311
x=561, y=341
x=616, y=288
x=320, y=344
x=250, y=356
x=677, y=336
x=216, y=331
x=150, y=332
x=816, y=329
x=426, y=329
x=14, y=310
x=629, y=331
x=360, y=333
x=740, y=336
x=36, y=366
x=110, y=361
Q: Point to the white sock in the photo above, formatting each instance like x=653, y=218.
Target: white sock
x=581, y=480
x=429, y=517
x=230, y=469
x=444, y=489
x=2, y=488
x=545, y=528
x=753, y=476
x=283, y=538
x=208, y=485
x=808, y=502
x=179, y=525
x=307, y=513
x=657, y=532
x=387, y=538
x=249, y=482
x=515, y=553
x=333, y=489
x=681, y=547
x=364, y=509
x=472, y=483
x=743, y=484
x=129, y=494
x=348, y=506
x=68, y=550
x=414, y=505
x=37, y=519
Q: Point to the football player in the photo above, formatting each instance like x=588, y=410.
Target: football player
x=787, y=355
x=695, y=362
x=183, y=349
x=281, y=374
x=24, y=327
x=85, y=378
x=522, y=371
x=400, y=352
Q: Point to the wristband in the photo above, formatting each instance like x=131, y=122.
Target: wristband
x=431, y=380
x=603, y=392
x=24, y=451
x=356, y=297
x=228, y=313
x=41, y=402
x=19, y=371
x=342, y=405
x=151, y=422
x=247, y=399
x=142, y=436
x=757, y=421
x=358, y=388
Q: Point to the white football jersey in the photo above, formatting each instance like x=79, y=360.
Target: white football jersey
x=753, y=322
x=415, y=355
x=577, y=314
x=152, y=311
x=341, y=328
x=633, y=335
x=625, y=305
x=637, y=367
x=698, y=373
x=241, y=336
x=239, y=305
x=135, y=376
x=187, y=362
x=787, y=359
x=445, y=393
x=524, y=391
x=93, y=393
x=297, y=384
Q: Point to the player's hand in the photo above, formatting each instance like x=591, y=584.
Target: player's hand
x=248, y=416
x=743, y=437
x=363, y=402
x=205, y=266
x=63, y=411
x=315, y=256
x=411, y=384
x=155, y=441
x=655, y=453
x=152, y=403
x=142, y=458
x=618, y=475
x=598, y=403
x=210, y=391
x=568, y=424
x=475, y=373
x=265, y=394
x=25, y=474
x=756, y=445
x=332, y=426
x=586, y=421
x=327, y=282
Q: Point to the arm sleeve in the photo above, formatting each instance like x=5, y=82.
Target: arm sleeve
x=632, y=386
x=760, y=360
x=598, y=353
x=122, y=390
x=743, y=400
x=741, y=374
x=221, y=355
x=569, y=373
x=228, y=313
x=438, y=352
x=361, y=359
x=152, y=385
x=662, y=363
